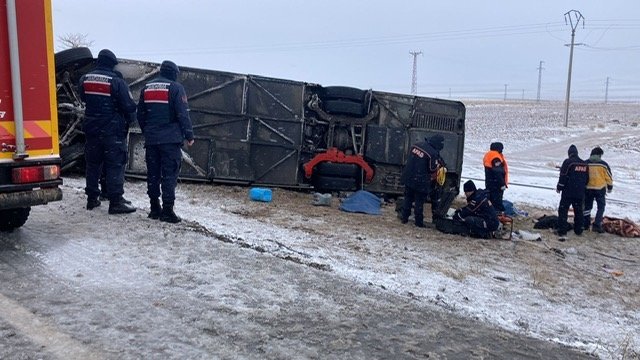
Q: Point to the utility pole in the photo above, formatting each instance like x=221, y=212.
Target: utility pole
x=540, y=68
x=414, y=74
x=522, y=94
x=606, y=91
x=574, y=17
x=505, y=92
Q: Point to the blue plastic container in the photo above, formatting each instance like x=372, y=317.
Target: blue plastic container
x=260, y=194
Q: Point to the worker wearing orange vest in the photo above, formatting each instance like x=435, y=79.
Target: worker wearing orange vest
x=496, y=175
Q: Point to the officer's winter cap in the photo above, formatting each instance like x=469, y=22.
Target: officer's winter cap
x=469, y=186
x=573, y=150
x=107, y=58
x=437, y=141
x=169, y=69
x=496, y=146
x=597, y=151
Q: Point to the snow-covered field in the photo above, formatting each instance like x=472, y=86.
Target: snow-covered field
x=536, y=142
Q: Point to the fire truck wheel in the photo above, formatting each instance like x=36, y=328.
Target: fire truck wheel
x=13, y=218
x=73, y=58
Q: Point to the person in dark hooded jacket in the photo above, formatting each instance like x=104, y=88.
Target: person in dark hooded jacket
x=496, y=175
x=479, y=216
x=421, y=167
x=108, y=106
x=163, y=116
x=572, y=184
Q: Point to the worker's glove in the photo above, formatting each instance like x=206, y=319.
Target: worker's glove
x=609, y=188
x=503, y=187
x=458, y=215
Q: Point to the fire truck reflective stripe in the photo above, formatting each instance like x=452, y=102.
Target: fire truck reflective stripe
x=97, y=88
x=34, y=129
x=156, y=96
x=6, y=132
x=37, y=134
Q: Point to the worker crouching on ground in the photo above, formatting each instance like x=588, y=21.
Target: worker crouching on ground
x=421, y=168
x=163, y=115
x=479, y=216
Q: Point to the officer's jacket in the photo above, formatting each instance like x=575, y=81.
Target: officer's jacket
x=478, y=204
x=599, y=174
x=108, y=103
x=574, y=176
x=421, y=165
x=163, y=112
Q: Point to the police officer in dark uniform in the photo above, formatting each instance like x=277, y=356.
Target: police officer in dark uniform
x=108, y=106
x=163, y=115
x=574, y=176
x=417, y=176
x=479, y=216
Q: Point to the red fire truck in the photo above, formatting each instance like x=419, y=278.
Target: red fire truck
x=29, y=150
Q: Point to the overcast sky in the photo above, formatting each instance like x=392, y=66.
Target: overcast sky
x=470, y=48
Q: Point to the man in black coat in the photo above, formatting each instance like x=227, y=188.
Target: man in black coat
x=163, y=115
x=479, y=216
x=572, y=184
x=422, y=165
x=108, y=108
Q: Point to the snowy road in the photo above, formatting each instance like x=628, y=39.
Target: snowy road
x=126, y=287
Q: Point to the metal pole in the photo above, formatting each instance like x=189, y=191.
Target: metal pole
x=573, y=35
x=505, y=92
x=16, y=84
x=606, y=91
x=539, y=79
x=414, y=73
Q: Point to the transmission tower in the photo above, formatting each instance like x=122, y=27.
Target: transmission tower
x=572, y=17
x=414, y=73
x=540, y=68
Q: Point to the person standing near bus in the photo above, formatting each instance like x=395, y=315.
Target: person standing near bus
x=163, y=116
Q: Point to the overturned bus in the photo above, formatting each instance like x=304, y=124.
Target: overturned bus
x=258, y=130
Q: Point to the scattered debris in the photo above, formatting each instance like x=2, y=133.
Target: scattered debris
x=612, y=271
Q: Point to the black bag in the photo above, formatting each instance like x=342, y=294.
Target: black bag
x=450, y=226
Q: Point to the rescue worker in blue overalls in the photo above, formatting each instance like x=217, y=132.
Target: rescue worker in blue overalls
x=163, y=116
x=422, y=164
x=108, y=106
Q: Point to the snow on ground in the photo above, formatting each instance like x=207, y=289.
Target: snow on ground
x=517, y=286
x=536, y=142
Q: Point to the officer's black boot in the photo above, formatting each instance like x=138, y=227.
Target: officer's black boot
x=168, y=215
x=119, y=206
x=92, y=203
x=156, y=209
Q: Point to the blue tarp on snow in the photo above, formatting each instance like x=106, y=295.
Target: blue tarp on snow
x=362, y=202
